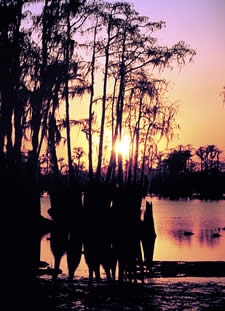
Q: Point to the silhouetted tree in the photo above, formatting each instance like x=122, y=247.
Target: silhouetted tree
x=11, y=40
x=78, y=154
x=209, y=156
x=138, y=50
x=42, y=70
x=109, y=13
x=93, y=61
x=178, y=161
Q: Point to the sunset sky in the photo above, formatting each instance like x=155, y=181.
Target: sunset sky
x=198, y=86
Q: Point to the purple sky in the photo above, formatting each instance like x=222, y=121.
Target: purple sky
x=197, y=87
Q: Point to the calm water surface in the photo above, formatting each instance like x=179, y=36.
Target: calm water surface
x=172, y=220
x=203, y=218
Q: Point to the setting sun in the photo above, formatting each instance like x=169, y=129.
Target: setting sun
x=123, y=146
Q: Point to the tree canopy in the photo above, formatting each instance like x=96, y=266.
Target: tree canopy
x=54, y=52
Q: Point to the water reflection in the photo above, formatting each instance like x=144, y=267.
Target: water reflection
x=210, y=237
x=105, y=237
x=172, y=220
x=182, y=236
x=176, y=220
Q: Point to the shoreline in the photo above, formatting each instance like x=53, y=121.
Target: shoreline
x=168, y=269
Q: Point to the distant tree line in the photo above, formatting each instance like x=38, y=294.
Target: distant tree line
x=186, y=172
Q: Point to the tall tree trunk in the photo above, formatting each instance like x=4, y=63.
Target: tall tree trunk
x=44, y=126
x=37, y=101
x=144, y=153
x=18, y=102
x=91, y=104
x=120, y=104
x=137, y=141
x=132, y=135
x=52, y=132
x=18, y=125
x=52, y=144
x=130, y=164
x=38, y=95
x=100, y=152
x=8, y=75
x=113, y=102
x=35, y=124
x=112, y=161
x=67, y=96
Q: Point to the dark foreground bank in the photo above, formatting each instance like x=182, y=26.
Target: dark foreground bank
x=208, y=294
x=173, y=286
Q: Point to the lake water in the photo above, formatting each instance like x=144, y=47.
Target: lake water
x=203, y=218
x=172, y=219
